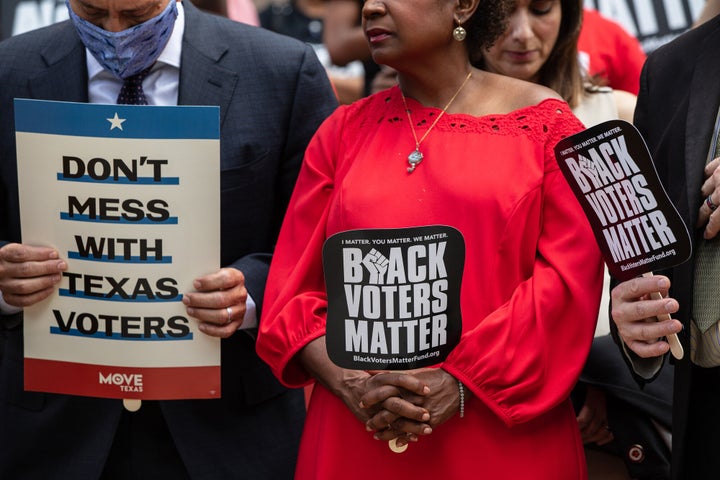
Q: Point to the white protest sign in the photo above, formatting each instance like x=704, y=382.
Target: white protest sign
x=129, y=196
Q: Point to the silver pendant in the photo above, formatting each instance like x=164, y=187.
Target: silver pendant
x=414, y=159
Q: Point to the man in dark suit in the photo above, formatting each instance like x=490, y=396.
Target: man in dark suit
x=677, y=114
x=273, y=94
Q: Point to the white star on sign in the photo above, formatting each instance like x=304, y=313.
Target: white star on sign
x=115, y=122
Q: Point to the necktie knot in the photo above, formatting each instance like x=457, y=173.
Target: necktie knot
x=132, y=92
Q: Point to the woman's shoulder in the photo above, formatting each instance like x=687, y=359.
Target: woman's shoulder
x=515, y=94
x=596, y=105
x=511, y=100
x=626, y=103
x=601, y=103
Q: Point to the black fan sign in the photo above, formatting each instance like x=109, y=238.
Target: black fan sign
x=610, y=170
x=393, y=296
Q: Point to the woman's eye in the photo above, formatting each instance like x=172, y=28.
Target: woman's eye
x=541, y=7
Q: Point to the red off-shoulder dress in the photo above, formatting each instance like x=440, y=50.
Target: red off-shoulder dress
x=529, y=295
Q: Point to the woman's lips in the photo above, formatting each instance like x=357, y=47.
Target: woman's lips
x=522, y=56
x=376, y=35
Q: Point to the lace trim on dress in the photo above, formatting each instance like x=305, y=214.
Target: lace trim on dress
x=550, y=117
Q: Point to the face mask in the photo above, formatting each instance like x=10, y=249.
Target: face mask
x=130, y=51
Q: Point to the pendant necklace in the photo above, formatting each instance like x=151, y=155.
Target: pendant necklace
x=416, y=156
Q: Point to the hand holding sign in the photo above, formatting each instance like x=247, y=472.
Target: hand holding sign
x=29, y=274
x=636, y=226
x=635, y=325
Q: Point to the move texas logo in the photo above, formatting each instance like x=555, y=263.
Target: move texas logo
x=393, y=296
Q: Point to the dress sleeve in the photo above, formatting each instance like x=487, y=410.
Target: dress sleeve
x=524, y=358
x=295, y=298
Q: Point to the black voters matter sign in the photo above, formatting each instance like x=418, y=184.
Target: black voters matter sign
x=611, y=173
x=393, y=296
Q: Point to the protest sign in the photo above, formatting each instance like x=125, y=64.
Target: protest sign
x=637, y=228
x=393, y=296
x=129, y=196
x=652, y=22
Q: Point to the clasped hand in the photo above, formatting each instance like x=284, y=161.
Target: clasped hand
x=404, y=405
x=29, y=274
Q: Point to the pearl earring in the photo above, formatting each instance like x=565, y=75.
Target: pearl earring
x=459, y=33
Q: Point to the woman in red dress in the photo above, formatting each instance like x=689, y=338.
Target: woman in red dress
x=455, y=146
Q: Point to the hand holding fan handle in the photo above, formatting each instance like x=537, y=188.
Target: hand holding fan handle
x=675, y=347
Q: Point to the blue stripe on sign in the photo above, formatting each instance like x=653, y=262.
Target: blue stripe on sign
x=119, y=258
x=117, y=336
x=122, y=180
x=64, y=292
x=117, y=121
x=125, y=221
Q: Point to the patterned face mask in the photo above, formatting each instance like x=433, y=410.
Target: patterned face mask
x=130, y=51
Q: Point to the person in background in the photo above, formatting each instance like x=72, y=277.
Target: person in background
x=541, y=46
x=20, y=16
x=532, y=272
x=303, y=19
x=344, y=38
x=243, y=11
x=710, y=9
x=272, y=93
x=677, y=114
x=239, y=10
x=609, y=53
x=609, y=56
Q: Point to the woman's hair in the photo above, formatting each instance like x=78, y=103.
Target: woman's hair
x=487, y=24
x=561, y=72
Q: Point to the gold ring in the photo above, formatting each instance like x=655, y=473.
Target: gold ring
x=395, y=447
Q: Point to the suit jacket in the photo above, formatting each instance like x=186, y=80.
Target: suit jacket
x=273, y=94
x=676, y=113
x=632, y=412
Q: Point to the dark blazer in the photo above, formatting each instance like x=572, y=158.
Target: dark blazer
x=273, y=94
x=634, y=414
x=676, y=112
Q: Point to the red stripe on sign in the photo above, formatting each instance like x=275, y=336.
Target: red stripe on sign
x=166, y=383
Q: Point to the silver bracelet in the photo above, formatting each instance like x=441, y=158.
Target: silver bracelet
x=461, y=388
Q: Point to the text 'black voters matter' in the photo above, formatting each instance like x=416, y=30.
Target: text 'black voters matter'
x=393, y=296
x=612, y=175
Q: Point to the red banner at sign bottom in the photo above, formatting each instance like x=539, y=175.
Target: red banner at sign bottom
x=107, y=381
